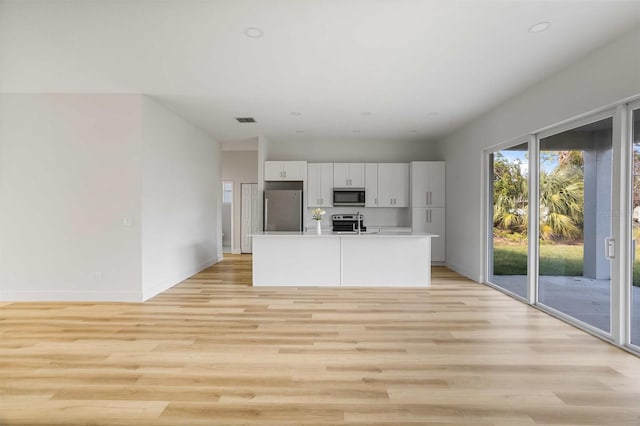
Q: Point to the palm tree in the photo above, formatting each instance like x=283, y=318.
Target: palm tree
x=562, y=202
x=561, y=196
x=509, y=195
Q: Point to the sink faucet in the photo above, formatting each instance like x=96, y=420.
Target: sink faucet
x=358, y=220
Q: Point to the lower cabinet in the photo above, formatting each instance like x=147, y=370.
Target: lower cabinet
x=433, y=222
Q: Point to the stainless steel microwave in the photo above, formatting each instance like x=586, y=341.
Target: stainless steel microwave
x=348, y=196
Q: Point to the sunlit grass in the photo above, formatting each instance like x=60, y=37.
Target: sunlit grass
x=564, y=260
x=555, y=259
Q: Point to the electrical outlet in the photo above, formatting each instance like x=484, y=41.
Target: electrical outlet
x=127, y=221
x=97, y=276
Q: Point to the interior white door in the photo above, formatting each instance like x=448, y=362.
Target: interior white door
x=249, y=215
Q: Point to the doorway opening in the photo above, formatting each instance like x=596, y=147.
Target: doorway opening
x=227, y=216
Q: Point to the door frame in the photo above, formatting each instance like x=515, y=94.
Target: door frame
x=231, y=210
x=626, y=294
x=487, y=189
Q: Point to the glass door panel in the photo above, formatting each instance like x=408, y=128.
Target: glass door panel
x=634, y=327
x=575, y=179
x=508, y=245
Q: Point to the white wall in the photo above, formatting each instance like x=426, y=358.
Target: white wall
x=352, y=151
x=605, y=76
x=181, y=199
x=102, y=198
x=239, y=167
x=69, y=180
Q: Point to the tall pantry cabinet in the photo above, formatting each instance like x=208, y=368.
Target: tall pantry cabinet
x=428, y=206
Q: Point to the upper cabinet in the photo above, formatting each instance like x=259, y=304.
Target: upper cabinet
x=320, y=185
x=285, y=170
x=393, y=185
x=348, y=175
x=371, y=185
x=428, y=184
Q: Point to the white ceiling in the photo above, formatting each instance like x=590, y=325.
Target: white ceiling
x=420, y=68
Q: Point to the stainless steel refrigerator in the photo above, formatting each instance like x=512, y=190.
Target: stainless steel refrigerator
x=282, y=210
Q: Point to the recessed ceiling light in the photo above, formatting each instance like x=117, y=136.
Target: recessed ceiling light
x=295, y=113
x=355, y=131
x=433, y=113
x=365, y=113
x=539, y=27
x=253, y=32
x=413, y=131
x=299, y=131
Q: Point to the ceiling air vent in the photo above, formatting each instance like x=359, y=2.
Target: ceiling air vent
x=246, y=119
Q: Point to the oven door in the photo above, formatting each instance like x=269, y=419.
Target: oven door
x=348, y=197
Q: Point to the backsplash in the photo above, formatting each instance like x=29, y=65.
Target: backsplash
x=373, y=216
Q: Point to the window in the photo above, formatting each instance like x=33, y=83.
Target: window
x=509, y=219
x=227, y=192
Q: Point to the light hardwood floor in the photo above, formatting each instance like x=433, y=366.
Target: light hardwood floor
x=214, y=350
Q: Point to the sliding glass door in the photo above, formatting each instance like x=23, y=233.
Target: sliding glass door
x=508, y=185
x=634, y=285
x=575, y=185
x=563, y=218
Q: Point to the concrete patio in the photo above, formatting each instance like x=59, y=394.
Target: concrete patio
x=586, y=299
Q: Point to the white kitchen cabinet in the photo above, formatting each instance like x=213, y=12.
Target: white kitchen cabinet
x=348, y=175
x=393, y=185
x=428, y=184
x=433, y=221
x=320, y=185
x=371, y=185
x=285, y=170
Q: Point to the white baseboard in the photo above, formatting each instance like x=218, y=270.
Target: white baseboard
x=178, y=278
x=70, y=296
x=236, y=251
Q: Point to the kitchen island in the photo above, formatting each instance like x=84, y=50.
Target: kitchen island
x=333, y=259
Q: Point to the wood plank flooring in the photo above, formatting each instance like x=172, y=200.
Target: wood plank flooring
x=214, y=350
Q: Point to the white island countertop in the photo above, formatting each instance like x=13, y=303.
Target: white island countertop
x=390, y=259
x=330, y=234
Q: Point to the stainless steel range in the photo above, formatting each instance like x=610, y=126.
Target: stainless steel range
x=351, y=223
